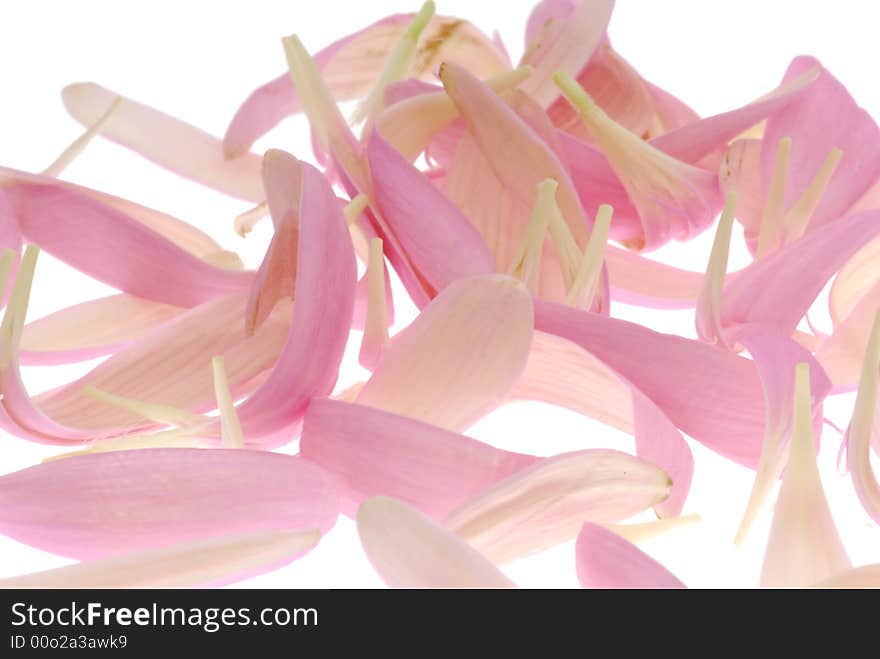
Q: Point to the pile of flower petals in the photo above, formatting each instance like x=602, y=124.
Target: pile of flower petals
x=516, y=203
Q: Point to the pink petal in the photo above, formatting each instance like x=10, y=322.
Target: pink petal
x=371, y=452
x=547, y=503
x=351, y=65
x=866, y=576
x=804, y=547
x=562, y=373
x=779, y=289
x=823, y=118
x=169, y=142
x=112, y=247
x=712, y=395
x=460, y=358
x=843, y=351
x=211, y=562
x=862, y=428
x=105, y=503
x=605, y=560
x=91, y=329
x=437, y=238
x=635, y=279
x=564, y=42
x=671, y=113
x=323, y=303
x=409, y=550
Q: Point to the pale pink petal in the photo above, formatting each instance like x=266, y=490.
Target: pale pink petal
x=824, y=118
x=862, y=428
x=106, y=503
x=460, y=358
x=779, y=289
x=712, y=395
x=91, y=329
x=437, y=238
x=351, y=65
x=562, y=373
x=212, y=562
x=804, y=547
x=169, y=142
x=564, y=41
x=671, y=113
x=775, y=356
x=635, y=279
x=547, y=503
x=370, y=452
x=740, y=173
x=842, y=352
x=409, y=550
x=605, y=560
x=105, y=243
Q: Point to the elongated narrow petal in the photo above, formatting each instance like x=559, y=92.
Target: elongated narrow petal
x=375, y=339
x=169, y=142
x=861, y=428
x=460, y=357
x=546, y=504
x=775, y=356
x=110, y=246
x=323, y=304
x=804, y=547
x=410, y=550
x=605, y=560
x=211, y=562
x=635, y=279
x=712, y=395
x=563, y=373
x=708, y=313
x=778, y=290
x=824, y=118
x=351, y=65
x=370, y=452
x=566, y=43
x=842, y=352
x=438, y=239
x=92, y=329
x=105, y=503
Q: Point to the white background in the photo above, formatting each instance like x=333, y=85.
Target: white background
x=199, y=60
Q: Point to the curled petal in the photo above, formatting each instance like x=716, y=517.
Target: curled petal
x=605, y=560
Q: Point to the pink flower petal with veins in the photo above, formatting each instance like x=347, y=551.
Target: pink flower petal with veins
x=213, y=562
x=409, y=550
x=605, y=560
x=547, y=503
x=97, y=505
x=351, y=66
x=371, y=452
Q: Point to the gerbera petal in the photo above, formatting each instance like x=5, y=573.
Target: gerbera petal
x=563, y=373
x=409, y=550
x=861, y=428
x=211, y=562
x=824, y=118
x=438, y=239
x=804, y=547
x=169, y=142
x=460, y=357
x=565, y=41
x=351, y=65
x=547, y=503
x=107, y=244
x=605, y=560
x=106, y=503
x=712, y=395
x=371, y=452
x=91, y=329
